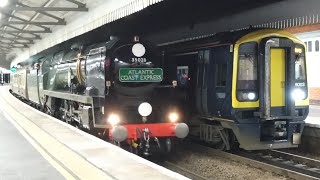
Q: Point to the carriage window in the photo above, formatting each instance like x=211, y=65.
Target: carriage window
x=205, y=69
x=221, y=75
x=309, y=46
x=317, y=46
x=183, y=76
x=199, y=71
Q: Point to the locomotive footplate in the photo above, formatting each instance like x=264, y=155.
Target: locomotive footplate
x=179, y=130
x=144, y=137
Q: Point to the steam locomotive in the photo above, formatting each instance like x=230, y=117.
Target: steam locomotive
x=246, y=87
x=110, y=89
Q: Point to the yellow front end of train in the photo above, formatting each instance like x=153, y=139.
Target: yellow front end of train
x=269, y=86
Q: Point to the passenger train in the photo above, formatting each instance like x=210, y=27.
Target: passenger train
x=111, y=89
x=247, y=87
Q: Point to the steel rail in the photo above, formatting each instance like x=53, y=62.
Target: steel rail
x=182, y=171
x=290, y=161
x=250, y=159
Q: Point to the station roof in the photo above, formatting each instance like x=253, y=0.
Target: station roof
x=31, y=28
x=24, y=21
x=35, y=25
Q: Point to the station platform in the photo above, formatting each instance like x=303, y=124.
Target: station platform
x=37, y=146
x=313, y=119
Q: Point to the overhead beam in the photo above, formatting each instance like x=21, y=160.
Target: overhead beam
x=26, y=38
x=77, y=3
x=21, y=20
x=32, y=23
x=20, y=47
x=4, y=48
x=17, y=30
x=42, y=9
x=44, y=13
x=18, y=38
x=13, y=43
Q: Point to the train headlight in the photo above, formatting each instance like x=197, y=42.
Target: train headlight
x=145, y=109
x=138, y=50
x=298, y=94
x=173, y=117
x=251, y=96
x=248, y=96
x=113, y=119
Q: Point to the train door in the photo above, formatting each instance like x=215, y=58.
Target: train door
x=202, y=81
x=220, y=96
x=277, y=80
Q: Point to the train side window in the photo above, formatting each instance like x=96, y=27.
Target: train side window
x=221, y=75
x=309, y=46
x=316, y=46
x=182, y=76
x=199, y=71
x=205, y=69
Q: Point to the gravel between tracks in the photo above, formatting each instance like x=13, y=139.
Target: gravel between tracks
x=214, y=167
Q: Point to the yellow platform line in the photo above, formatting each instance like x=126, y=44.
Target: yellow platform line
x=72, y=161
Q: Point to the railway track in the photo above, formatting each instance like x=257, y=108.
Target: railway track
x=303, y=165
x=175, y=167
x=289, y=165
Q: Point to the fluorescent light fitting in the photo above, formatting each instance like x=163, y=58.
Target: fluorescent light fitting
x=3, y=3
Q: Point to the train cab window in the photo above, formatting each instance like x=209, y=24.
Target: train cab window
x=247, y=82
x=300, y=65
x=316, y=44
x=309, y=46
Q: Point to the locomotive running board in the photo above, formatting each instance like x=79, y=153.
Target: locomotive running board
x=77, y=98
x=68, y=96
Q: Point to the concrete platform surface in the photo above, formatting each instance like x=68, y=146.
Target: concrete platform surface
x=313, y=119
x=18, y=158
x=72, y=152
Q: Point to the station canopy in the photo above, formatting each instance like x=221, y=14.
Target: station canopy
x=28, y=27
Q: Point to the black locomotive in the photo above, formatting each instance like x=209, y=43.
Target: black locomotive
x=108, y=88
